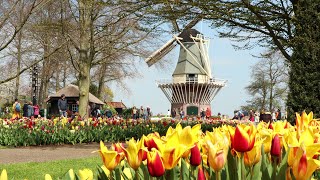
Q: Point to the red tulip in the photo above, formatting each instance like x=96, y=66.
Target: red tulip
x=149, y=142
x=201, y=175
x=276, y=146
x=195, y=158
x=243, y=137
x=155, y=164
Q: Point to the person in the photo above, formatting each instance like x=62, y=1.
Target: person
x=16, y=109
x=134, y=112
x=25, y=109
x=273, y=116
x=149, y=112
x=30, y=110
x=36, y=109
x=235, y=117
x=108, y=113
x=94, y=112
x=203, y=114
x=173, y=113
x=181, y=113
x=278, y=115
x=62, y=106
x=99, y=114
x=168, y=113
x=256, y=117
x=141, y=112
x=145, y=115
x=251, y=116
x=208, y=113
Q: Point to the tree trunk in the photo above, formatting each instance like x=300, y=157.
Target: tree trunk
x=58, y=78
x=101, y=80
x=85, y=54
x=19, y=55
x=84, y=85
x=271, y=87
x=43, y=92
x=64, y=75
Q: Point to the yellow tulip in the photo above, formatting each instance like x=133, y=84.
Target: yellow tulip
x=110, y=158
x=253, y=156
x=85, y=174
x=105, y=170
x=4, y=175
x=302, y=122
x=127, y=172
x=134, y=152
x=303, y=165
x=171, y=150
x=266, y=134
x=47, y=177
x=217, y=155
x=216, y=148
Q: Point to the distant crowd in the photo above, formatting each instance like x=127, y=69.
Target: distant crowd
x=28, y=110
x=257, y=116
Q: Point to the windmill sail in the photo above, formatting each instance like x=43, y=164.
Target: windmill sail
x=157, y=55
x=166, y=48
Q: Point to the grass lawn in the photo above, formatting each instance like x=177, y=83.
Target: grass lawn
x=56, y=169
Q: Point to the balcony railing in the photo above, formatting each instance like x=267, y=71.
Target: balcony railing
x=193, y=80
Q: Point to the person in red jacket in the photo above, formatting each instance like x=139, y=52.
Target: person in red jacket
x=208, y=113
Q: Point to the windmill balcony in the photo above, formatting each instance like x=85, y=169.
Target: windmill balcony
x=219, y=82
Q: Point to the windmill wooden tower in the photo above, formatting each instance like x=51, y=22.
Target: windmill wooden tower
x=192, y=87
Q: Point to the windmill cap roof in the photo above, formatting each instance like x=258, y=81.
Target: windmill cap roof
x=185, y=35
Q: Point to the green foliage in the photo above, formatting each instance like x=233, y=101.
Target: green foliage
x=57, y=169
x=45, y=133
x=106, y=107
x=304, y=75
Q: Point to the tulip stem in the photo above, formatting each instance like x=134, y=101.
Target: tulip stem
x=111, y=175
x=218, y=175
x=243, y=173
x=137, y=177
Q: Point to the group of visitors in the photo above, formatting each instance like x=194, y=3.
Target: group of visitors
x=205, y=114
x=92, y=111
x=256, y=116
x=28, y=110
x=143, y=113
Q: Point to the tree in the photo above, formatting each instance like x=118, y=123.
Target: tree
x=289, y=26
x=98, y=27
x=269, y=85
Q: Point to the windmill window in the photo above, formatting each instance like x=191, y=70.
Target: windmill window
x=192, y=77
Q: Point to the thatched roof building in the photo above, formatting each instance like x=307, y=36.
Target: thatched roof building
x=72, y=95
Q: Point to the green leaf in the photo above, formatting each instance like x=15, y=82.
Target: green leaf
x=266, y=167
x=117, y=173
x=257, y=174
x=283, y=166
x=231, y=167
x=184, y=170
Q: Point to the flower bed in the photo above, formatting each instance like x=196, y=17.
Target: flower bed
x=266, y=151
x=27, y=132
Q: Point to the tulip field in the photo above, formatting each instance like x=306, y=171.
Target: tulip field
x=237, y=151
x=30, y=132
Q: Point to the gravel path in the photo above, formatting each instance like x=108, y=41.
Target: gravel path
x=47, y=153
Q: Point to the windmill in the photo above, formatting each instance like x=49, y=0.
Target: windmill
x=192, y=87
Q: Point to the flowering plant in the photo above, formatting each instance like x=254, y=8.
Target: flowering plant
x=274, y=150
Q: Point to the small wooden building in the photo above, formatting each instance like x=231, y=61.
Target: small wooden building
x=72, y=95
x=118, y=106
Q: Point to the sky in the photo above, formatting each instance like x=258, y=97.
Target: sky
x=226, y=63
